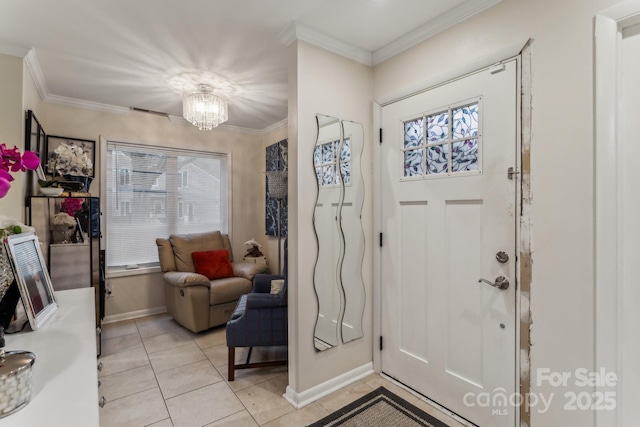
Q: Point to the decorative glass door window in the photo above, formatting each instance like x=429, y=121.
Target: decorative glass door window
x=446, y=143
x=329, y=166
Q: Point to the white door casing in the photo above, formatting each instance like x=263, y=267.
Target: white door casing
x=445, y=334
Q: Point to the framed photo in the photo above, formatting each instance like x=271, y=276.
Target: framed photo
x=32, y=276
x=40, y=173
x=88, y=147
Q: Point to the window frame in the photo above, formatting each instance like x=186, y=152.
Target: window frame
x=449, y=142
x=122, y=271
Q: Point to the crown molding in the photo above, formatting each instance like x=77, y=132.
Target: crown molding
x=466, y=10
x=448, y=19
x=282, y=123
x=297, y=31
x=43, y=90
x=36, y=74
x=87, y=105
x=288, y=34
x=229, y=128
x=239, y=129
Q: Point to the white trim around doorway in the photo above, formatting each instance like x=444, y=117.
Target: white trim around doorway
x=607, y=70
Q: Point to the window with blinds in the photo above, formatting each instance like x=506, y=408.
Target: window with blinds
x=153, y=192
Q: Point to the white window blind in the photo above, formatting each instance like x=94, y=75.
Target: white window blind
x=147, y=198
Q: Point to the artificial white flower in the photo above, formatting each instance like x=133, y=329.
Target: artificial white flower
x=71, y=160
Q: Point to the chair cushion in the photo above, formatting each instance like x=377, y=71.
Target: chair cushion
x=184, y=245
x=213, y=264
x=228, y=290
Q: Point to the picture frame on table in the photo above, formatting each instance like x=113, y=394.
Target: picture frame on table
x=88, y=147
x=31, y=274
x=40, y=173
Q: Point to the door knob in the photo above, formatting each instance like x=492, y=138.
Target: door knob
x=501, y=282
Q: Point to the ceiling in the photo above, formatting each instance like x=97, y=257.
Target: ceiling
x=115, y=54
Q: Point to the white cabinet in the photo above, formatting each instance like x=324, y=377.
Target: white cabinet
x=65, y=375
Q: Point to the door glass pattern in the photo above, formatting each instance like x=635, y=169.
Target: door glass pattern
x=332, y=163
x=413, y=163
x=413, y=134
x=345, y=161
x=444, y=143
x=438, y=159
x=465, y=156
x=465, y=121
x=438, y=127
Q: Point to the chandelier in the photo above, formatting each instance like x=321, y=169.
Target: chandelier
x=203, y=109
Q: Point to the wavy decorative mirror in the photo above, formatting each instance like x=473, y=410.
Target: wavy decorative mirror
x=351, y=226
x=338, y=227
x=326, y=273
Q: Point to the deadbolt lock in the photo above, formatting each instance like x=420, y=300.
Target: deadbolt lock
x=502, y=257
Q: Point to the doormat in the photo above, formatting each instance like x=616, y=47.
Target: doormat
x=379, y=408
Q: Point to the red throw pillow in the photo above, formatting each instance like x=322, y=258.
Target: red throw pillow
x=213, y=264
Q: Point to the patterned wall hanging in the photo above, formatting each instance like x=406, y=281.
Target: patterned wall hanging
x=276, y=161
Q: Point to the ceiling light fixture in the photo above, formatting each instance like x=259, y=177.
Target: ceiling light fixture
x=203, y=109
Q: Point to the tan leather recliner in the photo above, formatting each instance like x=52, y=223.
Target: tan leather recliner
x=194, y=301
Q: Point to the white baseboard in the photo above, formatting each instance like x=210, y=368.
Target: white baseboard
x=299, y=400
x=133, y=315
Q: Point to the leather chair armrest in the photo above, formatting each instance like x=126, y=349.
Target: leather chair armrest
x=183, y=279
x=248, y=270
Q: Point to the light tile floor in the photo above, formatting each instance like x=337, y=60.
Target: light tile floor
x=158, y=374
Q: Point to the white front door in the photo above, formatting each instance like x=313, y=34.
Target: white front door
x=448, y=213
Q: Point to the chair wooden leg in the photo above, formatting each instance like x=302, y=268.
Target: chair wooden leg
x=232, y=362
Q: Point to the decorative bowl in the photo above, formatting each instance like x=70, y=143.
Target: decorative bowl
x=51, y=191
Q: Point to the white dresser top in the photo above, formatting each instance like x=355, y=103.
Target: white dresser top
x=65, y=375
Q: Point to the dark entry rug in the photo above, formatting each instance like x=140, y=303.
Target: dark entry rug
x=380, y=408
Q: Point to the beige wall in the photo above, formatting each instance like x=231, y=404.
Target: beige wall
x=143, y=292
x=329, y=84
x=562, y=166
x=12, y=129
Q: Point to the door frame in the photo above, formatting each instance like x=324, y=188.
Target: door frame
x=523, y=237
x=608, y=27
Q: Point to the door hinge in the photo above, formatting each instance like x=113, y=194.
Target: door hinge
x=380, y=239
x=511, y=172
x=380, y=343
x=380, y=135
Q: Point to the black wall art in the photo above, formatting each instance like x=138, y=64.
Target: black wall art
x=276, y=161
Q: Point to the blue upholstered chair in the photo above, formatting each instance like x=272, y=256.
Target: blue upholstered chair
x=260, y=319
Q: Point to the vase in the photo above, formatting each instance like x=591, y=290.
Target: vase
x=61, y=233
x=86, y=180
x=51, y=191
x=6, y=273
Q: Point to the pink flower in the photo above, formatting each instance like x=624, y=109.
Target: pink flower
x=71, y=205
x=5, y=185
x=12, y=161
x=30, y=160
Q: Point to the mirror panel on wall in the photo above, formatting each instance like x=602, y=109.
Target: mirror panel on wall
x=351, y=227
x=325, y=277
x=337, y=222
